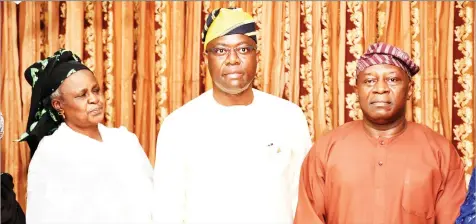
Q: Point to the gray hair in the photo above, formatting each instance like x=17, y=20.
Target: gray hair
x=55, y=94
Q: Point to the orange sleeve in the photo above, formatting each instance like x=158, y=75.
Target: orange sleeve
x=310, y=208
x=453, y=192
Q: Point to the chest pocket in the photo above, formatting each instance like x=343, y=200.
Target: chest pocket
x=277, y=156
x=417, y=196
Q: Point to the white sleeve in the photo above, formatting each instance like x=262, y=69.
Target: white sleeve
x=301, y=143
x=146, y=166
x=143, y=183
x=46, y=200
x=169, y=177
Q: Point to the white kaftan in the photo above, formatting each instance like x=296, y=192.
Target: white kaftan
x=230, y=164
x=73, y=178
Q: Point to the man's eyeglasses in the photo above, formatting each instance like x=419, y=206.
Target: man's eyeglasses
x=225, y=51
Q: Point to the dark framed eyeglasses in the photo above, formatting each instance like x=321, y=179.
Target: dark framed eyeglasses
x=225, y=51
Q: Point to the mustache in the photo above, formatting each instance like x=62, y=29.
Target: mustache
x=230, y=69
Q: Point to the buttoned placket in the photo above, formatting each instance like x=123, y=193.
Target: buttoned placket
x=379, y=191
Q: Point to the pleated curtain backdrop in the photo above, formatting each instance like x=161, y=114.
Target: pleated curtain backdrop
x=148, y=57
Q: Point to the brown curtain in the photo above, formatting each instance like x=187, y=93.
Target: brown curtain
x=148, y=58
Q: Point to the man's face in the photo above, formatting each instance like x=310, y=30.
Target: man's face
x=232, y=62
x=383, y=91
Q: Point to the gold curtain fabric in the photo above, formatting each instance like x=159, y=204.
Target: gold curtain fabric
x=148, y=57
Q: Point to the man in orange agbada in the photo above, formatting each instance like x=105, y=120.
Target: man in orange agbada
x=382, y=169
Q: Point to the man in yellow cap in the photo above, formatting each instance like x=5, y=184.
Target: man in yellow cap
x=233, y=154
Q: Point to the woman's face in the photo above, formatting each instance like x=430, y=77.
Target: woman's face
x=81, y=99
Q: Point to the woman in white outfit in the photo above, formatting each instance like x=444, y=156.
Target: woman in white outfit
x=81, y=171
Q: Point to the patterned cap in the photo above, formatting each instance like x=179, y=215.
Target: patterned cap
x=383, y=53
x=228, y=21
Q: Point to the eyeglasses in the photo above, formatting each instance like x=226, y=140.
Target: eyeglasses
x=225, y=51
